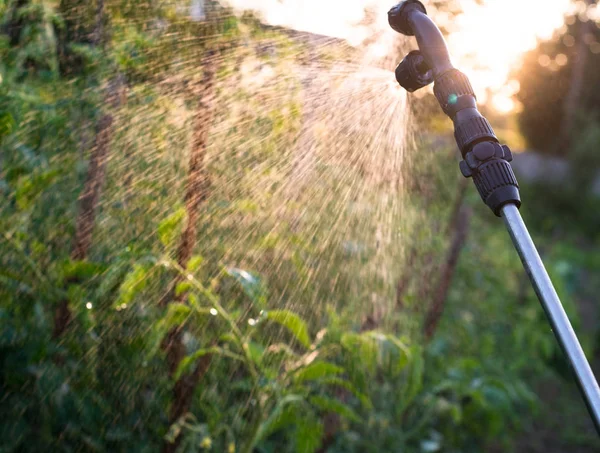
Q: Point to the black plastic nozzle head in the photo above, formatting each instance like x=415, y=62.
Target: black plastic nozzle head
x=399, y=14
x=413, y=73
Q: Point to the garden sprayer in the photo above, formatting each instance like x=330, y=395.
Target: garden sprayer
x=487, y=162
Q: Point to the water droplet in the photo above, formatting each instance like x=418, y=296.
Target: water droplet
x=190, y=277
x=252, y=322
x=89, y=305
x=214, y=312
x=123, y=306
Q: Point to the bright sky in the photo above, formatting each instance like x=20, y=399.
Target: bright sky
x=337, y=18
x=486, y=41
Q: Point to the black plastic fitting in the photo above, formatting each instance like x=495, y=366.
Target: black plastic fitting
x=488, y=164
x=413, y=73
x=450, y=87
x=472, y=130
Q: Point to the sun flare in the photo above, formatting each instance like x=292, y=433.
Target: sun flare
x=488, y=40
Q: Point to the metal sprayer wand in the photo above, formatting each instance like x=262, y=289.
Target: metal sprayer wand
x=487, y=162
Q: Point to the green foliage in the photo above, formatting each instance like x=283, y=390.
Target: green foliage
x=170, y=228
x=134, y=282
x=334, y=406
x=572, y=207
x=293, y=323
x=30, y=187
x=317, y=370
x=281, y=397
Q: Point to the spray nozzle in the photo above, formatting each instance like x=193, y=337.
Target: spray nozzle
x=399, y=16
x=413, y=73
x=410, y=18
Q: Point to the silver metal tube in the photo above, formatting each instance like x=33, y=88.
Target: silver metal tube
x=554, y=310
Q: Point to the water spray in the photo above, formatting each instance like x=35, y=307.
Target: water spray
x=487, y=162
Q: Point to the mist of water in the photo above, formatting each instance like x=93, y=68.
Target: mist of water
x=309, y=158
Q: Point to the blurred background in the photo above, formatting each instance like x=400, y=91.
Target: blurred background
x=225, y=228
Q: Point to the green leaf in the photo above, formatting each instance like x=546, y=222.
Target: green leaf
x=80, y=270
x=176, y=315
x=188, y=361
x=228, y=337
x=134, y=282
x=171, y=227
x=343, y=383
x=317, y=370
x=378, y=351
x=394, y=355
x=331, y=405
x=363, y=348
x=194, y=263
x=183, y=287
x=309, y=433
x=293, y=323
x=256, y=351
x=76, y=295
x=285, y=414
x=417, y=368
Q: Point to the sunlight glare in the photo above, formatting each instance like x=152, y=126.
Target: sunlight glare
x=487, y=40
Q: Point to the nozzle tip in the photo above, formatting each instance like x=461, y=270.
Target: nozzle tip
x=398, y=16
